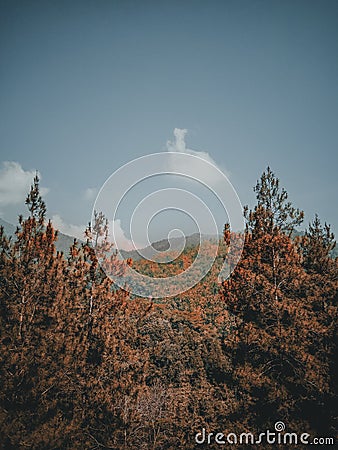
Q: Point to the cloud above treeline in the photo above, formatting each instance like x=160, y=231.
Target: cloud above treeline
x=15, y=183
x=179, y=145
x=78, y=231
x=200, y=171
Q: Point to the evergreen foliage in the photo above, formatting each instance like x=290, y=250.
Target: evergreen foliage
x=83, y=365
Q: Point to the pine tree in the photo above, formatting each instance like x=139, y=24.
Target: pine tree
x=317, y=245
x=272, y=212
x=31, y=279
x=84, y=365
x=277, y=371
x=322, y=294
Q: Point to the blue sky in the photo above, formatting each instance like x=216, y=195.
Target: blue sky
x=86, y=86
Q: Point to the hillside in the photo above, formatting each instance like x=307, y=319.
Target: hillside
x=62, y=244
x=164, y=244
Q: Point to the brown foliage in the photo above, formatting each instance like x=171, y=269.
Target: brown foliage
x=85, y=366
x=285, y=322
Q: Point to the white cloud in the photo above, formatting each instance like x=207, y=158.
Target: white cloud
x=179, y=144
x=68, y=228
x=90, y=193
x=15, y=183
x=117, y=235
x=201, y=171
x=77, y=231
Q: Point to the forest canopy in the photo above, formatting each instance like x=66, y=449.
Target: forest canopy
x=85, y=365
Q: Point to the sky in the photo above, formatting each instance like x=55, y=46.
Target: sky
x=87, y=86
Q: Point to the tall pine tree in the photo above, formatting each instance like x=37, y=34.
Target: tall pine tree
x=277, y=341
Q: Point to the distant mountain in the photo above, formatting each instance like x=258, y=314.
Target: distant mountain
x=165, y=244
x=62, y=244
x=9, y=229
x=64, y=241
